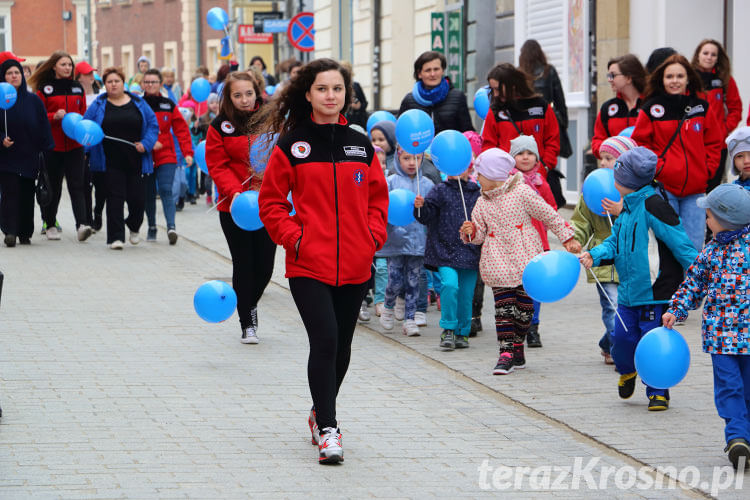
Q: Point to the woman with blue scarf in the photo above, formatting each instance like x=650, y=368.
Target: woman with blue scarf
x=434, y=94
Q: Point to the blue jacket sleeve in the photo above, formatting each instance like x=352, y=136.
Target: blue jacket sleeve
x=693, y=289
x=151, y=127
x=606, y=249
x=431, y=209
x=675, y=238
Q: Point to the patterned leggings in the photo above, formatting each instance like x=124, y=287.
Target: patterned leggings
x=513, y=312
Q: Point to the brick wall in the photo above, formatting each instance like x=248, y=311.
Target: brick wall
x=38, y=28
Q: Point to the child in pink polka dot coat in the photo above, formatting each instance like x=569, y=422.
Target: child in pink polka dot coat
x=502, y=224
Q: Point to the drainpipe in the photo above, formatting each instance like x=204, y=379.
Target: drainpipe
x=198, y=42
x=376, y=55
x=89, y=45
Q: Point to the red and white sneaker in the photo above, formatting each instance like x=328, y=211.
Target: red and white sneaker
x=313, y=427
x=331, y=451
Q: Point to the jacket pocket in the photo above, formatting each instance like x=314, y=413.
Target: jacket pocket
x=299, y=243
x=632, y=244
x=374, y=241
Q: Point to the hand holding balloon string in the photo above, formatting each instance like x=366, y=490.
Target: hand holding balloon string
x=233, y=197
x=587, y=262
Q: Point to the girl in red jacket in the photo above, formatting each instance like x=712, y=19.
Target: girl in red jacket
x=341, y=201
x=517, y=110
x=712, y=64
x=228, y=161
x=627, y=78
x=61, y=94
x=681, y=129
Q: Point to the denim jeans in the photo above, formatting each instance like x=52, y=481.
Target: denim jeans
x=162, y=177
x=403, y=278
x=639, y=321
x=191, y=174
x=693, y=218
x=537, y=310
x=732, y=393
x=422, y=299
x=455, y=299
x=381, y=279
x=608, y=314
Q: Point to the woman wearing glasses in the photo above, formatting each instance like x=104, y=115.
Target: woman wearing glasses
x=627, y=78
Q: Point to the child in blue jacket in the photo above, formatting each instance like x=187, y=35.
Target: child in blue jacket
x=404, y=247
x=650, y=250
x=442, y=211
x=722, y=275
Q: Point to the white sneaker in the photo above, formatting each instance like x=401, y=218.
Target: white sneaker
x=249, y=336
x=84, y=232
x=420, y=318
x=116, y=245
x=379, y=309
x=53, y=233
x=135, y=238
x=386, y=318
x=331, y=451
x=364, y=314
x=398, y=311
x=410, y=328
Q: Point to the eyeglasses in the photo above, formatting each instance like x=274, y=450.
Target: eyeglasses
x=611, y=76
x=151, y=82
x=736, y=142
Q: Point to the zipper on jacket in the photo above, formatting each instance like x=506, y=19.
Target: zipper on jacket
x=335, y=199
x=632, y=246
x=299, y=244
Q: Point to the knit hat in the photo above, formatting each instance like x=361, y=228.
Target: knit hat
x=738, y=142
x=388, y=128
x=212, y=97
x=729, y=204
x=475, y=140
x=617, y=145
x=523, y=143
x=143, y=59
x=635, y=168
x=494, y=164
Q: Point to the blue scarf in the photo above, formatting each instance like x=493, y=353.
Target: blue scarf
x=431, y=97
x=725, y=237
x=745, y=184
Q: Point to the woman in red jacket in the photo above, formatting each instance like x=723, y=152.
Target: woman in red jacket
x=515, y=110
x=341, y=202
x=627, y=78
x=712, y=64
x=61, y=94
x=681, y=129
x=228, y=161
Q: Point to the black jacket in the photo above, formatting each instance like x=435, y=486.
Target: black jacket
x=550, y=88
x=451, y=114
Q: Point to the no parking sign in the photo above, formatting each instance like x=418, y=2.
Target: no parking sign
x=301, y=33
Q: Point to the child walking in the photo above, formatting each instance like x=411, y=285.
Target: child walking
x=501, y=219
x=587, y=223
x=647, y=221
x=442, y=211
x=525, y=152
x=738, y=143
x=404, y=247
x=721, y=274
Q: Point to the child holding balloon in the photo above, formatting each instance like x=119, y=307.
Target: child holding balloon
x=587, y=223
x=405, y=246
x=647, y=221
x=525, y=152
x=501, y=223
x=721, y=274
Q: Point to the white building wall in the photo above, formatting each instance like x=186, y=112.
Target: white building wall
x=737, y=44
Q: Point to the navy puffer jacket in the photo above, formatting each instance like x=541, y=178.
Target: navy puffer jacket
x=443, y=214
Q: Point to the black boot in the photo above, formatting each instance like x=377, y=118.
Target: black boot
x=476, y=326
x=532, y=338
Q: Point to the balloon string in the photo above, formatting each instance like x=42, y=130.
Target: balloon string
x=609, y=217
x=463, y=200
x=419, y=166
x=602, y=288
x=219, y=202
x=5, y=112
x=118, y=139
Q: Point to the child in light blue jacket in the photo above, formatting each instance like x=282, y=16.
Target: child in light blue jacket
x=405, y=246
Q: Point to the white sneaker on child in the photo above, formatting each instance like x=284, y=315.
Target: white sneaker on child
x=386, y=318
x=410, y=328
x=420, y=318
x=400, y=308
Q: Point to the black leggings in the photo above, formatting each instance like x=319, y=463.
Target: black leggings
x=69, y=164
x=16, y=205
x=329, y=314
x=253, y=254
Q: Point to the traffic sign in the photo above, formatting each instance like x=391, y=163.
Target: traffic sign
x=275, y=25
x=301, y=32
x=246, y=34
x=259, y=17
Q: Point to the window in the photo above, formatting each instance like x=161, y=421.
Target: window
x=212, y=58
x=6, y=39
x=127, y=60
x=148, y=50
x=170, y=55
x=107, y=59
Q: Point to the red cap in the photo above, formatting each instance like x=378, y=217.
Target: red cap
x=4, y=56
x=83, y=68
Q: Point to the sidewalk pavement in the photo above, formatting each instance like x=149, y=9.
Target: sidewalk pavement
x=112, y=387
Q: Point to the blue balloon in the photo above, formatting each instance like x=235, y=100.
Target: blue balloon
x=8, y=95
x=414, y=131
x=199, y=89
x=482, y=101
x=598, y=185
x=88, y=133
x=260, y=151
x=69, y=122
x=215, y=301
x=246, y=212
x=379, y=116
x=551, y=276
x=136, y=89
x=289, y=199
x=270, y=89
x=451, y=152
x=401, y=207
x=662, y=358
x=217, y=18
x=97, y=77
x=199, y=155
x=125, y=86
x=627, y=132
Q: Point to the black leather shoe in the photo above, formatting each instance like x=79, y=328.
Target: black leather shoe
x=532, y=338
